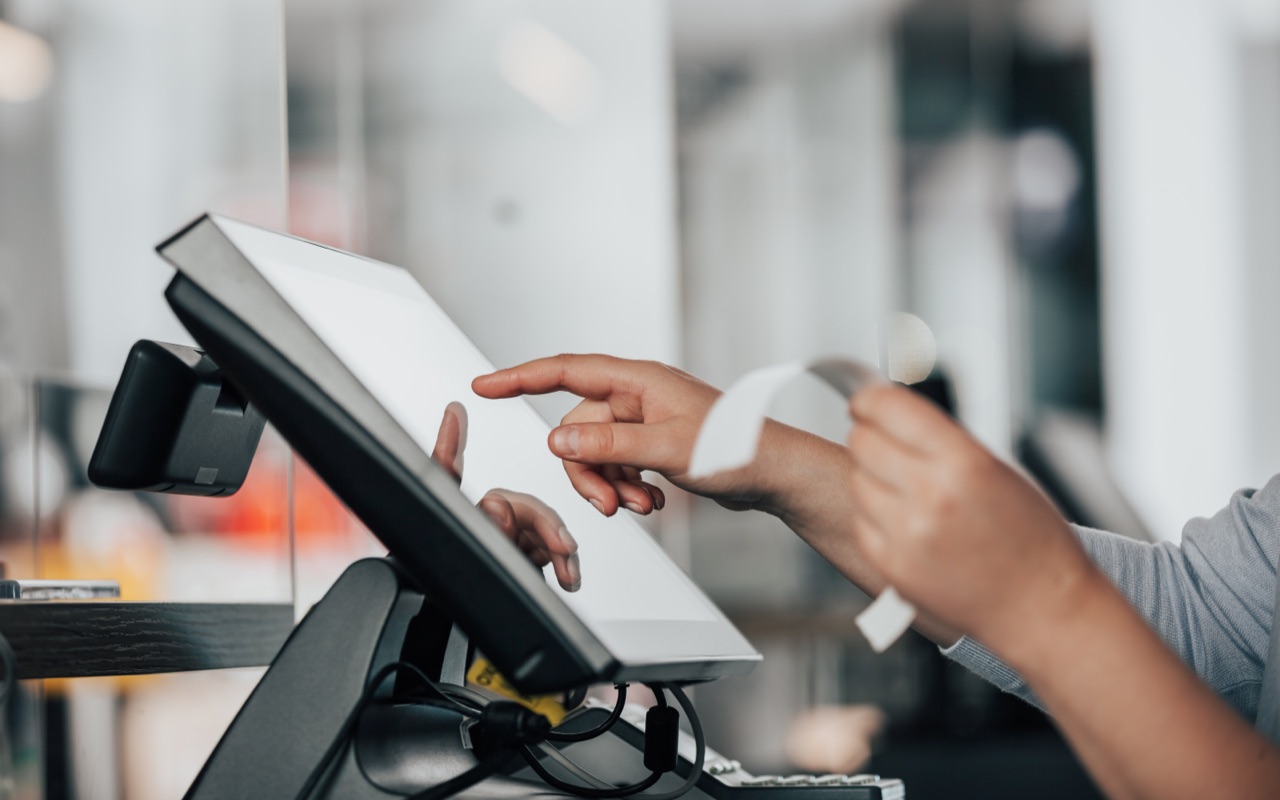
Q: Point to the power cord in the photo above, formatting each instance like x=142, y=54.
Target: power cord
x=466, y=780
x=573, y=768
x=599, y=730
x=699, y=743
x=500, y=730
x=343, y=736
x=661, y=743
x=586, y=791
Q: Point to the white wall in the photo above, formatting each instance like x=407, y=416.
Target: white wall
x=1177, y=279
x=540, y=228
x=789, y=207
x=165, y=110
x=963, y=282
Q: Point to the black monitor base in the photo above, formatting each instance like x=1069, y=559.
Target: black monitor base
x=371, y=617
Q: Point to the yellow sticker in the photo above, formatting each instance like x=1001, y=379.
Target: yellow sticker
x=486, y=676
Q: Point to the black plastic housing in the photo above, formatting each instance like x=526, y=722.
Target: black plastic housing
x=451, y=548
x=175, y=425
x=534, y=652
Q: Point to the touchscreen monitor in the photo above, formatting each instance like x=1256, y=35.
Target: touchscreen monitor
x=347, y=354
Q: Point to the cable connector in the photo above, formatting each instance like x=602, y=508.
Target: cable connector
x=661, y=738
x=503, y=725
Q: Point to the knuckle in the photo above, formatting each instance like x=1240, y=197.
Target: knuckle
x=948, y=486
x=944, y=501
x=971, y=466
x=599, y=440
x=858, y=439
x=501, y=517
x=870, y=401
x=920, y=525
x=563, y=363
x=549, y=515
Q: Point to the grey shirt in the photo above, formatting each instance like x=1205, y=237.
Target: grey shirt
x=1213, y=599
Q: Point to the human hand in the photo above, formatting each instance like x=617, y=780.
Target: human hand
x=956, y=530
x=531, y=524
x=833, y=739
x=635, y=415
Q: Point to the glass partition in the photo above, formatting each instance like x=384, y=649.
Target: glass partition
x=120, y=122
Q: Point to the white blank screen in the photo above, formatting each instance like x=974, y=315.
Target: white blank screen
x=414, y=360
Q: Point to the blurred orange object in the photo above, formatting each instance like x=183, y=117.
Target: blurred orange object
x=258, y=514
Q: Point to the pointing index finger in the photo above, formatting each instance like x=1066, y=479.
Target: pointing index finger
x=590, y=376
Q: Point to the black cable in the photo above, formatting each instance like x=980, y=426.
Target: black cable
x=700, y=748
x=473, y=700
x=466, y=780
x=479, y=702
x=467, y=704
x=437, y=690
x=575, y=698
x=585, y=791
x=343, y=735
x=659, y=696
x=570, y=766
x=599, y=730
x=700, y=756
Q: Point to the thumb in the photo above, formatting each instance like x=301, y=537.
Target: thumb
x=661, y=447
x=451, y=440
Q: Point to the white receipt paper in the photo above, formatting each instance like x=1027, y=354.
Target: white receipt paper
x=730, y=436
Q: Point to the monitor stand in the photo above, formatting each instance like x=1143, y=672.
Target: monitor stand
x=372, y=616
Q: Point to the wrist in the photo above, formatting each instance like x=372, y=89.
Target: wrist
x=797, y=472
x=1055, y=620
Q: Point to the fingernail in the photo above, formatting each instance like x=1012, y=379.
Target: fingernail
x=566, y=441
x=634, y=508
x=660, y=502
x=567, y=538
x=574, y=568
x=599, y=506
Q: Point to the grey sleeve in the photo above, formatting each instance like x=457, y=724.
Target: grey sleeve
x=1211, y=598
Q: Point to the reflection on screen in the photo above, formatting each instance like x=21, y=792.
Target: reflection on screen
x=415, y=360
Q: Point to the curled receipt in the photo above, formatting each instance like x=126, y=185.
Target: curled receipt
x=730, y=436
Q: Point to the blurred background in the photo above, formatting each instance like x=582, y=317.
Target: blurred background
x=1080, y=200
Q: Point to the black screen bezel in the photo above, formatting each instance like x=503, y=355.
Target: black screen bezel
x=402, y=496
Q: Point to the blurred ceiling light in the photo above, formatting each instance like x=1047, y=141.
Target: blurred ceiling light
x=549, y=71
x=1046, y=172
x=26, y=65
x=910, y=351
x=36, y=478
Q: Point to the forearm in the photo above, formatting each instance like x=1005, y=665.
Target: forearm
x=804, y=481
x=1139, y=719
